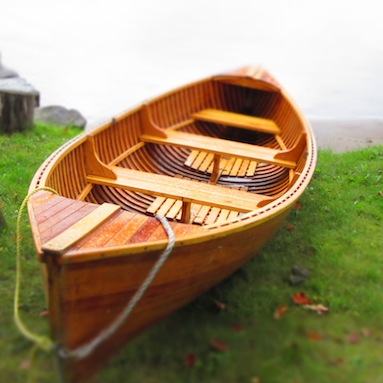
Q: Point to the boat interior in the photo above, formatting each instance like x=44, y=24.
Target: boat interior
x=204, y=154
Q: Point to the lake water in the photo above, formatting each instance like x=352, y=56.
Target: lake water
x=105, y=56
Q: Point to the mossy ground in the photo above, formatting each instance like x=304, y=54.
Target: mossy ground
x=337, y=233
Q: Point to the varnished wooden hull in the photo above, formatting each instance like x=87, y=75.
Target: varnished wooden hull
x=91, y=278
x=189, y=272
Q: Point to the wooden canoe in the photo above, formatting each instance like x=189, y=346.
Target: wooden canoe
x=224, y=159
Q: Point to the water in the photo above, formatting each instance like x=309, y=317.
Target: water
x=103, y=57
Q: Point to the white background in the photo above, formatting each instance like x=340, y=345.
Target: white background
x=104, y=56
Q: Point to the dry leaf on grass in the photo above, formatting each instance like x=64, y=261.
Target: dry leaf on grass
x=290, y=227
x=190, y=360
x=314, y=336
x=237, y=327
x=353, y=338
x=25, y=364
x=44, y=314
x=298, y=206
x=219, y=345
x=280, y=311
x=300, y=298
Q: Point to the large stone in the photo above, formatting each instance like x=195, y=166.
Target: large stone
x=58, y=115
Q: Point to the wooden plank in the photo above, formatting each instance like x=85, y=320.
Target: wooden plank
x=242, y=170
x=155, y=205
x=228, y=166
x=130, y=228
x=233, y=214
x=81, y=228
x=200, y=217
x=251, y=169
x=199, y=160
x=236, y=166
x=192, y=156
x=181, y=189
x=236, y=120
x=206, y=162
x=223, y=216
x=165, y=207
x=175, y=209
x=228, y=148
x=212, y=217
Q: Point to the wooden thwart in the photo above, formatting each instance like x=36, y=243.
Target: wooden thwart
x=236, y=120
x=181, y=189
x=80, y=229
x=160, y=185
x=285, y=158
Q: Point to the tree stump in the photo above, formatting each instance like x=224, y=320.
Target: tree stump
x=18, y=100
x=2, y=220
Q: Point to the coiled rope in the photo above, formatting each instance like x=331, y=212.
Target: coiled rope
x=47, y=344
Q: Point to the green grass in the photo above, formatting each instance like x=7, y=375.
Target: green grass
x=337, y=234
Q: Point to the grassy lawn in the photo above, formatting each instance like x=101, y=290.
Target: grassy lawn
x=337, y=233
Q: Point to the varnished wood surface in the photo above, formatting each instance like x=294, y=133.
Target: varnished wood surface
x=184, y=190
x=237, y=120
x=81, y=228
x=67, y=226
x=222, y=147
x=91, y=280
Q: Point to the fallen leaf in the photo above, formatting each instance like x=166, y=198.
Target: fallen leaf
x=191, y=360
x=298, y=206
x=314, y=336
x=319, y=309
x=255, y=380
x=366, y=332
x=300, y=298
x=219, y=345
x=220, y=305
x=25, y=364
x=237, y=327
x=280, y=311
x=44, y=314
x=354, y=338
x=290, y=227
x=380, y=193
x=337, y=361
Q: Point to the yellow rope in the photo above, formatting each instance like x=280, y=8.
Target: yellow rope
x=41, y=341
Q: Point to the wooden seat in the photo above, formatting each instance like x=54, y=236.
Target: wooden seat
x=285, y=158
x=180, y=189
x=237, y=120
x=183, y=190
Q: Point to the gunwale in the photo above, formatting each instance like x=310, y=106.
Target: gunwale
x=209, y=232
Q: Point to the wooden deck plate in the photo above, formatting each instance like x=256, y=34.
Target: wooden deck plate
x=80, y=229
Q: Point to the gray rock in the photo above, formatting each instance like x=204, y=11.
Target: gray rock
x=6, y=72
x=298, y=275
x=58, y=115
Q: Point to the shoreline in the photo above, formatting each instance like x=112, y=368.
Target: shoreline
x=342, y=135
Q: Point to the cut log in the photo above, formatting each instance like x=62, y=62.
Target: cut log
x=18, y=100
x=2, y=219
